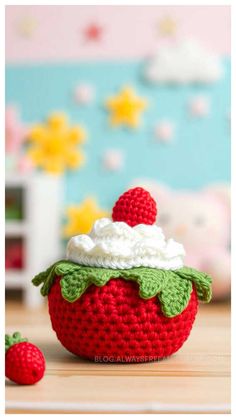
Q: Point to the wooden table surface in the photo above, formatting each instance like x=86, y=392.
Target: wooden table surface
x=194, y=380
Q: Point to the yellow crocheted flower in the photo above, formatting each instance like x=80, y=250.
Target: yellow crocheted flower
x=81, y=217
x=53, y=146
x=126, y=108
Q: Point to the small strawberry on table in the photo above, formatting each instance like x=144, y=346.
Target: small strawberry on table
x=24, y=362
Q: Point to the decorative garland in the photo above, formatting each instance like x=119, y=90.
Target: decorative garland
x=172, y=287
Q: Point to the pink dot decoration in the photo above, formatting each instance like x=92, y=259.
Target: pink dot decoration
x=84, y=94
x=113, y=160
x=199, y=106
x=164, y=131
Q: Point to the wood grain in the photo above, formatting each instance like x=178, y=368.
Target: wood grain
x=196, y=379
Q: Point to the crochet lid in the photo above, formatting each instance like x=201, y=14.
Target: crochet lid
x=132, y=248
x=131, y=240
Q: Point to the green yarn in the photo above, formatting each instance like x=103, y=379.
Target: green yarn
x=12, y=340
x=172, y=287
x=174, y=297
x=201, y=281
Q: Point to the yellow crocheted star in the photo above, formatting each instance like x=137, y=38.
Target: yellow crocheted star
x=167, y=26
x=81, y=217
x=126, y=108
x=27, y=26
x=53, y=146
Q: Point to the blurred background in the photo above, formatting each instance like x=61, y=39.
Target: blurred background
x=101, y=98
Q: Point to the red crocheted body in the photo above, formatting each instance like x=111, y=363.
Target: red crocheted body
x=113, y=324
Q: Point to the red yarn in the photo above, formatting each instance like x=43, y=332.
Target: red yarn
x=113, y=324
x=136, y=206
x=24, y=363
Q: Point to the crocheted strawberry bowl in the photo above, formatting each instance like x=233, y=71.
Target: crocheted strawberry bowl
x=123, y=293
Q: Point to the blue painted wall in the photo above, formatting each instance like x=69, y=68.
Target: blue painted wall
x=199, y=154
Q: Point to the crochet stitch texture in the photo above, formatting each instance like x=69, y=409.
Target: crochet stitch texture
x=116, y=245
x=24, y=362
x=172, y=287
x=110, y=302
x=136, y=206
x=113, y=324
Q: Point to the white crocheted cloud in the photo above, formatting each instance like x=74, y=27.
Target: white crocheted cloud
x=182, y=63
x=117, y=245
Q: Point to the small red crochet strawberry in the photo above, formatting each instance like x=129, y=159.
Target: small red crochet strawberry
x=136, y=206
x=24, y=362
x=112, y=314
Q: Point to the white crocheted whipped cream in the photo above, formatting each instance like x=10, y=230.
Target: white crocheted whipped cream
x=116, y=245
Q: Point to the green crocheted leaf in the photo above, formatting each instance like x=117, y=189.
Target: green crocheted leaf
x=47, y=277
x=173, y=288
x=12, y=340
x=73, y=286
x=201, y=280
x=77, y=281
x=64, y=267
x=175, y=296
x=41, y=277
x=151, y=282
x=100, y=276
x=48, y=281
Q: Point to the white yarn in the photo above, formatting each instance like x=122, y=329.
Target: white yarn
x=116, y=245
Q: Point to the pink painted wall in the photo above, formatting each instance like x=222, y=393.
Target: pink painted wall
x=128, y=31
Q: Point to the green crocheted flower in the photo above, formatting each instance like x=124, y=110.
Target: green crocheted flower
x=173, y=288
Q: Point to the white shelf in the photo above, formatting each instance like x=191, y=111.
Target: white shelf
x=15, y=278
x=16, y=228
x=21, y=180
x=40, y=229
